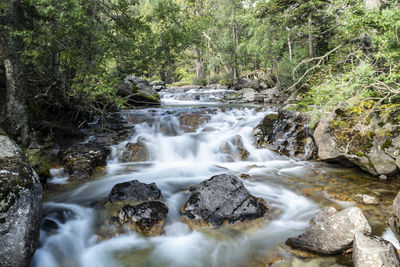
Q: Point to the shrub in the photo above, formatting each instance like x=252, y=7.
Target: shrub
x=214, y=79
x=199, y=81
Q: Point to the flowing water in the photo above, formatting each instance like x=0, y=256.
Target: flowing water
x=181, y=157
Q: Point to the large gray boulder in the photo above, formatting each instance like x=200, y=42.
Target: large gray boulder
x=138, y=92
x=334, y=234
x=373, y=251
x=20, y=206
x=287, y=133
x=222, y=199
x=373, y=144
x=394, y=221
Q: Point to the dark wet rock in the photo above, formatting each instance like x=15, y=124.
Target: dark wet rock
x=235, y=148
x=81, y=160
x=222, y=199
x=20, y=206
x=287, y=133
x=146, y=218
x=334, y=234
x=49, y=225
x=260, y=79
x=138, y=91
x=134, y=191
x=372, y=143
x=109, y=130
x=394, y=221
x=135, y=152
x=190, y=122
x=373, y=251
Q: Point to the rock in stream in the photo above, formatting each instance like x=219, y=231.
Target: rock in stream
x=222, y=199
x=373, y=251
x=332, y=234
x=134, y=191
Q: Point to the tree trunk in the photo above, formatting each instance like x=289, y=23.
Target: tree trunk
x=200, y=68
x=290, y=48
x=235, y=71
x=15, y=112
x=310, y=38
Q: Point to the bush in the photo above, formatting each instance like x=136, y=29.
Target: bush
x=227, y=79
x=214, y=79
x=199, y=81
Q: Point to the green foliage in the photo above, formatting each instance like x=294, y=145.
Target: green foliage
x=214, y=79
x=227, y=79
x=199, y=81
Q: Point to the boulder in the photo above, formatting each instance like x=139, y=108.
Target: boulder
x=272, y=95
x=222, y=199
x=158, y=85
x=138, y=91
x=323, y=215
x=134, y=191
x=251, y=95
x=135, y=152
x=287, y=133
x=259, y=79
x=373, y=251
x=81, y=160
x=146, y=218
x=235, y=148
x=20, y=206
x=190, y=122
x=372, y=144
x=333, y=234
x=394, y=221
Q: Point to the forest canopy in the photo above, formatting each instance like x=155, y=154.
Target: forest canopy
x=62, y=55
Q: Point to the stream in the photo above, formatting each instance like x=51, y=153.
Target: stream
x=181, y=157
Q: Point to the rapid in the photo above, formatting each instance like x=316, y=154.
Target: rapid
x=181, y=157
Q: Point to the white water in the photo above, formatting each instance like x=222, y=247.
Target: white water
x=179, y=160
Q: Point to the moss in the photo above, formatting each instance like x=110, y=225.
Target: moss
x=387, y=143
x=360, y=154
x=39, y=163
